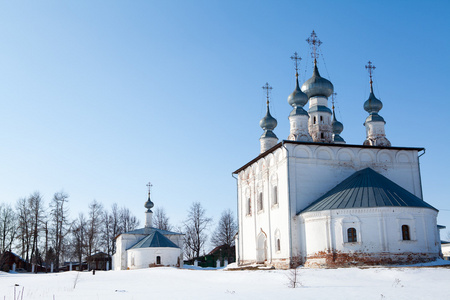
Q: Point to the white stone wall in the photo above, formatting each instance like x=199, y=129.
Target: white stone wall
x=316, y=169
x=120, y=259
x=260, y=229
x=123, y=242
x=146, y=257
x=313, y=171
x=379, y=234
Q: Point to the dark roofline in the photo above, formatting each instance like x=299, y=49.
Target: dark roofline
x=320, y=144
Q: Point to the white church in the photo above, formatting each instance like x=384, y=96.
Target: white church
x=314, y=200
x=148, y=247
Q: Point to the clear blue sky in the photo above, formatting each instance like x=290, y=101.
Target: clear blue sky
x=100, y=97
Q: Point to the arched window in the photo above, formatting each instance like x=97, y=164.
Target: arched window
x=278, y=245
x=405, y=233
x=275, y=195
x=314, y=122
x=321, y=119
x=260, y=202
x=351, y=235
x=158, y=260
x=249, y=206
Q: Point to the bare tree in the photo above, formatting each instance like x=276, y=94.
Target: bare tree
x=195, y=228
x=116, y=222
x=128, y=221
x=294, y=278
x=161, y=220
x=225, y=232
x=24, y=227
x=115, y=226
x=94, y=226
x=79, y=237
x=36, y=205
x=106, y=233
x=59, y=224
x=8, y=227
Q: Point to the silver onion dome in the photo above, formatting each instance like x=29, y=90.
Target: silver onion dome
x=297, y=97
x=337, y=126
x=268, y=122
x=372, y=105
x=317, y=85
x=149, y=204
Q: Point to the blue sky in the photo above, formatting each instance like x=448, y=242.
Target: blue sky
x=100, y=97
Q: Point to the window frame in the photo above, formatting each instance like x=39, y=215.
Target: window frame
x=406, y=233
x=352, y=235
x=259, y=204
x=249, y=206
x=275, y=195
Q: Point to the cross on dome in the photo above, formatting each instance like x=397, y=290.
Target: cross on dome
x=149, y=186
x=332, y=99
x=267, y=87
x=370, y=67
x=296, y=60
x=314, y=43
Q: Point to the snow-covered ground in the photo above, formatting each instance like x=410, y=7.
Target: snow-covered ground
x=171, y=283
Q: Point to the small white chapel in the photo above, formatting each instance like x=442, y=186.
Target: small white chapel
x=314, y=200
x=148, y=247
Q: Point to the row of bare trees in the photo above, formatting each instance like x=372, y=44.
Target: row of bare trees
x=46, y=234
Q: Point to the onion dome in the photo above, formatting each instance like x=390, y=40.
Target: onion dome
x=268, y=122
x=149, y=204
x=297, y=97
x=337, y=126
x=372, y=105
x=317, y=85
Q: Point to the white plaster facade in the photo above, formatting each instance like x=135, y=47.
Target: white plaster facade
x=275, y=187
x=147, y=257
x=126, y=258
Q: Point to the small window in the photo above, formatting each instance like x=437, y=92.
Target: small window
x=405, y=233
x=321, y=119
x=158, y=260
x=278, y=245
x=321, y=135
x=314, y=122
x=351, y=235
x=249, y=207
x=260, y=202
x=275, y=195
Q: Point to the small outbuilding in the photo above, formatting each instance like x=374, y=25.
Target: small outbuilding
x=148, y=247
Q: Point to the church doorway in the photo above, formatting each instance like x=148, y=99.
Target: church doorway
x=261, y=251
x=158, y=260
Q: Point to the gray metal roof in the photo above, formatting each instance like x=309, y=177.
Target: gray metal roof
x=319, y=108
x=366, y=188
x=149, y=230
x=154, y=240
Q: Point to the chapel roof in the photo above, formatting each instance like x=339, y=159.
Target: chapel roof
x=366, y=188
x=150, y=230
x=154, y=240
